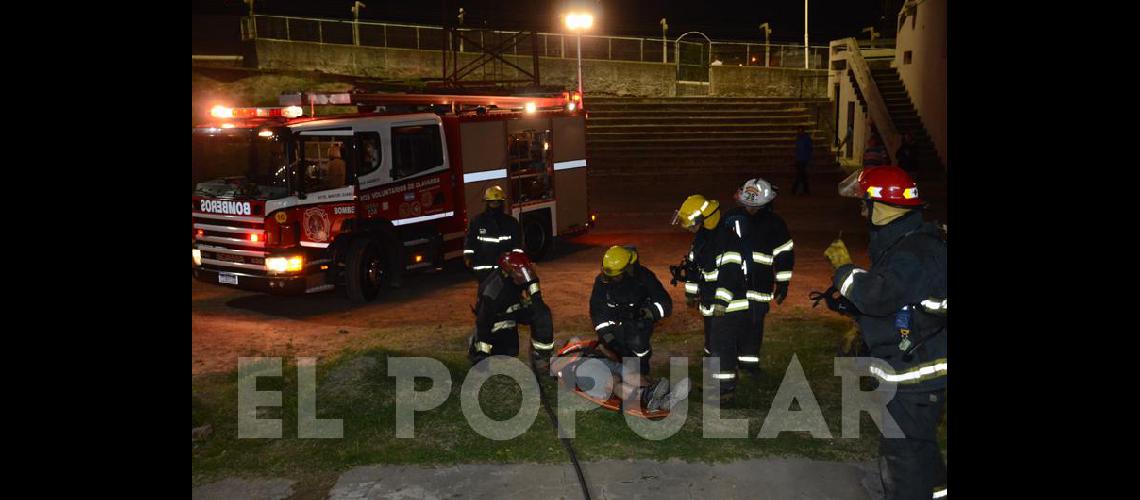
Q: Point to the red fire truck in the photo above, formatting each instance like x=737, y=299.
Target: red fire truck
x=289, y=204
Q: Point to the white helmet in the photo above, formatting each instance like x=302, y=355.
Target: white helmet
x=755, y=193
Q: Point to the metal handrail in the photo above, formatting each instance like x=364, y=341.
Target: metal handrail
x=875, y=103
x=249, y=31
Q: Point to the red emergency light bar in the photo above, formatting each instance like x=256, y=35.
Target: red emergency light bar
x=220, y=111
x=570, y=100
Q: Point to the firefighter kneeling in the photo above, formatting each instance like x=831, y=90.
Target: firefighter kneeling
x=901, y=310
x=506, y=298
x=627, y=299
x=721, y=289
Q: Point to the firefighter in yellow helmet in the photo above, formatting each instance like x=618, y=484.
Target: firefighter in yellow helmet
x=490, y=235
x=715, y=280
x=626, y=301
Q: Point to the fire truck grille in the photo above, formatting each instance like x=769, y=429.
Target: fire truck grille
x=231, y=243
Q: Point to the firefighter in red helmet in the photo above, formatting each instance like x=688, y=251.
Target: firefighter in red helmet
x=507, y=297
x=900, y=306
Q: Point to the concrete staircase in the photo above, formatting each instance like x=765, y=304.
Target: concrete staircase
x=681, y=135
x=903, y=114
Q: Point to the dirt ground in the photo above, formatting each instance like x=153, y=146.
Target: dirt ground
x=432, y=312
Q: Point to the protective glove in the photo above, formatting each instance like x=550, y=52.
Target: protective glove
x=837, y=254
x=608, y=335
x=718, y=310
x=647, y=313
x=781, y=292
x=691, y=300
x=467, y=261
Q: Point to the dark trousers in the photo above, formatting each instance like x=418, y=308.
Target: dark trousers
x=505, y=341
x=632, y=338
x=801, y=178
x=721, y=339
x=750, y=341
x=912, y=467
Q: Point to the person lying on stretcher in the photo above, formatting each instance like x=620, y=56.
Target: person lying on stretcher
x=597, y=373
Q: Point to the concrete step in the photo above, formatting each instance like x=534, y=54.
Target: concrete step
x=776, y=128
x=699, y=100
x=691, y=107
x=666, y=160
x=725, y=137
x=715, y=168
x=698, y=111
x=620, y=118
x=695, y=147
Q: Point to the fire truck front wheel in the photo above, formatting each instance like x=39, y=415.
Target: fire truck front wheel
x=365, y=270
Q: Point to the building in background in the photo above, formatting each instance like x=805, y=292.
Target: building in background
x=895, y=87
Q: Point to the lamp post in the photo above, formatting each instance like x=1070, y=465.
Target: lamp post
x=806, y=66
x=767, y=32
x=460, y=16
x=577, y=22
x=252, y=21
x=874, y=34
x=356, y=6
x=664, y=42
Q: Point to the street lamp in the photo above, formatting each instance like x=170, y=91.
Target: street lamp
x=356, y=6
x=767, y=32
x=874, y=34
x=252, y=21
x=806, y=66
x=460, y=17
x=578, y=22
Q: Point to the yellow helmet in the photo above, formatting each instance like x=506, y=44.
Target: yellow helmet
x=617, y=259
x=494, y=193
x=696, y=209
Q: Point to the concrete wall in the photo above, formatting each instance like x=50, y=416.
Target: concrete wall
x=924, y=35
x=752, y=81
x=600, y=78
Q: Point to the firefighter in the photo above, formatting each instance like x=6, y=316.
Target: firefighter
x=626, y=301
x=901, y=311
x=490, y=235
x=720, y=289
x=769, y=259
x=508, y=296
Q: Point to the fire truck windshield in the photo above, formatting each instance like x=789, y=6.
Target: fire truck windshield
x=239, y=163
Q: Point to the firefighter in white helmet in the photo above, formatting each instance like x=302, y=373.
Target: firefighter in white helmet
x=490, y=235
x=768, y=257
x=717, y=284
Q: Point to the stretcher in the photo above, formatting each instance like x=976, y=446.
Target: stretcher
x=588, y=348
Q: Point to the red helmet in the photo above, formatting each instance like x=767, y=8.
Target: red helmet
x=889, y=184
x=518, y=266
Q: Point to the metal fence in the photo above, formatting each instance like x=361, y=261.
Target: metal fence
x=559, y=45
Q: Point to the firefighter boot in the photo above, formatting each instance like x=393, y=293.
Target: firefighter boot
x=540, y=361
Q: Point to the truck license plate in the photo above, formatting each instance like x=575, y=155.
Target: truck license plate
x=227, y=278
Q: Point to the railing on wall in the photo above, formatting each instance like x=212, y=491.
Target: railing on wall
x=558, y=45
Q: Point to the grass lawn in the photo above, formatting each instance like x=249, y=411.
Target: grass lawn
x=366, y=407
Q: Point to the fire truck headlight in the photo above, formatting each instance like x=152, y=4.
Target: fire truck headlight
x=197, y=255
x=285, y=264
x=531, y=107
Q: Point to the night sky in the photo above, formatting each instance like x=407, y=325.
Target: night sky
x=719, y=19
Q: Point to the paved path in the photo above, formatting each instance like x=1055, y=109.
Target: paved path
x=773, y=479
